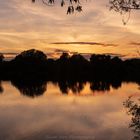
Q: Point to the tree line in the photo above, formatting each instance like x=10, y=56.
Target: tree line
x=34, y=64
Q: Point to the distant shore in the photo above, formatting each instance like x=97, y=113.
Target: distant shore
x=34, y=64
x=11, y=55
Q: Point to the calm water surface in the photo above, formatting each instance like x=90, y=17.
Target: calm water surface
x=51, y=111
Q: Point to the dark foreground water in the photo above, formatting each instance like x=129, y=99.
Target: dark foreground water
x=55, y=111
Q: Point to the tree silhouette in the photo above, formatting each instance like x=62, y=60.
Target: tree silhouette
x=30, y=63
x=31, y=56
x=133, y=109
x=1, y=57
x=64, y=57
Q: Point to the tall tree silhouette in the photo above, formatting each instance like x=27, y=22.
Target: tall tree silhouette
x=1, y=57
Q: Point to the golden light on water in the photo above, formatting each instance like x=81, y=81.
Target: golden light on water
x=92, y=114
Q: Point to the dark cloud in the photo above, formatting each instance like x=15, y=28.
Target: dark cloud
x=11, y=53
x=88, y=55
x=85, y=43
x=57, y=52
x=115, y=54
x=135, y=43
x=61, y=51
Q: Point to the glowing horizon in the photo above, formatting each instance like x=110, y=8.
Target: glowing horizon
x=24, y=26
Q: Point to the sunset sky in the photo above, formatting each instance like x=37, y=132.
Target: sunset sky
x=24, y=25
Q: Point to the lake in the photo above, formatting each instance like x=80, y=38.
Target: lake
x=65, y=111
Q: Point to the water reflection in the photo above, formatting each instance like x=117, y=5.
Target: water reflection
x=30, y=88
x=74, y=86
x=38, y=87
x=104, y=85
x=133, y=109
x=54, y=115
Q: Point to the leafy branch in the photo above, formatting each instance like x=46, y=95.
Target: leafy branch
x=133, y=109
x=73, y=5
x=124, y=7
